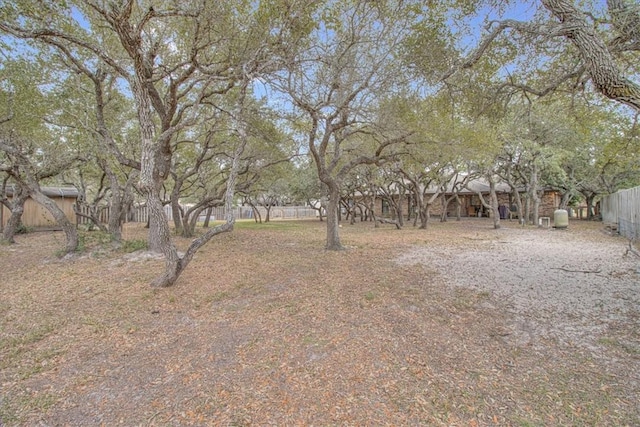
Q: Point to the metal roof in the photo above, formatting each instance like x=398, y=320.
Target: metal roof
x=60, y=191
x=64, y=192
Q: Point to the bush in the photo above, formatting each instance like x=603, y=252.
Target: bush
x=129, y=246
x=23, y=229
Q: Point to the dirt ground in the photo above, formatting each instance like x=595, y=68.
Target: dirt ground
x=458, y=325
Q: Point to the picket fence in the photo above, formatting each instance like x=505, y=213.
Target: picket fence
x=623, y=209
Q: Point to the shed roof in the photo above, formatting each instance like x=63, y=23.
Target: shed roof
x=64, y=192
x=60, y=191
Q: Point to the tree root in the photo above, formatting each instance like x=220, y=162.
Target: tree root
x=388, y=221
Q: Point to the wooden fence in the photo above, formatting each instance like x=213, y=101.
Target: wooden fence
x=141, y=213
x=277, y=212
x=623, y=209
x=136, y=214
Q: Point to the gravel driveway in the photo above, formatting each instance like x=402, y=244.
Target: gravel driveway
x=567, y=285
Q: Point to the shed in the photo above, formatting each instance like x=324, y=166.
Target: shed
x=37, y=216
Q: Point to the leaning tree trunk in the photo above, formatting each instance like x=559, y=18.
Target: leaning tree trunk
x=174, y=264
x=445, y=208
x=207, y=217
x=596, y=57
x=566, y=198
x=189, y=221
x=61, y=219
x=519, y=207
x=13, y=224
x=15, y=220
x=319, y=209
x=174, y=268
x=257, y=215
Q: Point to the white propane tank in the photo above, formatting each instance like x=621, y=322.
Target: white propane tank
x=560, y=218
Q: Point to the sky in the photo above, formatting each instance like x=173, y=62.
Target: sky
x=471, y=30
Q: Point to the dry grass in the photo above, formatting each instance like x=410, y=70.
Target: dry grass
x=267, y=328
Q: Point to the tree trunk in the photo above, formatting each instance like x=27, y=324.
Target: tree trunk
x=526, y=215
x=424, y=215
x=360, y=210
x=535, y=197
x=566, y=198
x=589, y=200
x=194, y=217
x=155, y=164
x=323, y=207
x=519, y=207
x=116, y=213
x=333, y=235
x=121, y=199
x=15, y=220
x=207, y=218
x=494, y=204
x=159, y=231
x=399, y=210
x=178, y=222
x=371, y=213
x=69, y=229
x=258, y=216
x=445, y=206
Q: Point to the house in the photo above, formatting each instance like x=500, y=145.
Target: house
x=37, y=216
x=470, y=204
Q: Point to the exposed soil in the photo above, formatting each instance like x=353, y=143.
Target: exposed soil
x=558, y=284
x=458, y=325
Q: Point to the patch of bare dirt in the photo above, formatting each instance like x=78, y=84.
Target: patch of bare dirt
x=570, y=285
x=458, y=325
